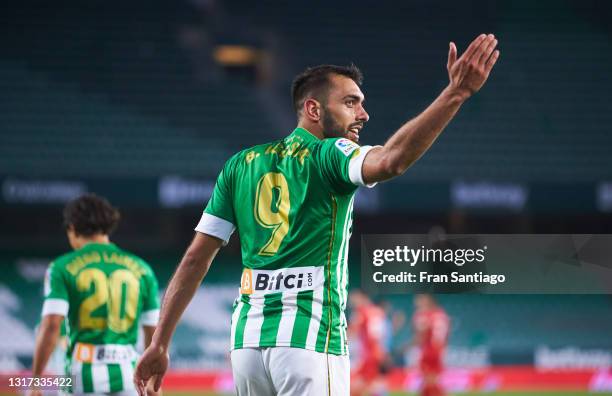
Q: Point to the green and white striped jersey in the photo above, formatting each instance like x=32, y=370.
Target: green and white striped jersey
x=292, y=203
x=104, y=293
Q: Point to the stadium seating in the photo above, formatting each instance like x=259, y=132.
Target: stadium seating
x=124, y=79
x=53, y=129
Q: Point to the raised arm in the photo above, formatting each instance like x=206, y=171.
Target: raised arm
x=188, y=276
x=467, y=75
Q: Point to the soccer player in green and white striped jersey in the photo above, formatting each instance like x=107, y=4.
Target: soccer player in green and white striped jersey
x=291, y=200
x=104, y=293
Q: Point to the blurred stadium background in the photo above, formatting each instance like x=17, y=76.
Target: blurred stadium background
x=142, y=102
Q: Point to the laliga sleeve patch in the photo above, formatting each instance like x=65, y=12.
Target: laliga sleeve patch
x=346, y=146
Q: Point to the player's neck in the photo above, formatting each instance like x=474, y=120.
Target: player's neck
x=313, y=128
x=98, y=238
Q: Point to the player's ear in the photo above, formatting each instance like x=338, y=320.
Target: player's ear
x=312, y=110
x=70, y=230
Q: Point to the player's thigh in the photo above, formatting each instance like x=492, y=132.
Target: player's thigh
x=296, y=371
x=250, y=375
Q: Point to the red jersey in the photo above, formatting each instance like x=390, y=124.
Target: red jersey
x=433, y=326
x=369, y=322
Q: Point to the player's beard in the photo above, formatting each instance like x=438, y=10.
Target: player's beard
x=332, y=128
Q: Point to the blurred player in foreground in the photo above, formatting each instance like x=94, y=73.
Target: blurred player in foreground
x=292, y=203
x=431, y=328
x=368, y=325
x=104, y=292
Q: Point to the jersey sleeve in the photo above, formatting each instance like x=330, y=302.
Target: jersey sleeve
x=56, y=291
x=340, y=161
x=150, y=304
x=218, y=219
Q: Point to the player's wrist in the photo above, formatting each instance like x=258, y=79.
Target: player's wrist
x=455, y=94
x=159, y=347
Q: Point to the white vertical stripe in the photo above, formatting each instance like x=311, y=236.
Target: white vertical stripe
x=344, y=285
x=344, y=326
x=341, y=262
x=315, y=318
x=345, y=274
x=344, y=282
x=285, y=326
x=255, y=318
x=127, y=375
x=346, y=251
x=76, y=372
x=235, y=316
x=339, y=275
x=99, y=374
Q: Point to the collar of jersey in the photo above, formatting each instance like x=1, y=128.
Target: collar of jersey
x=304, y=134
x=98, y=244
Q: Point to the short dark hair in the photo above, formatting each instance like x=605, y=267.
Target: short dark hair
x=315, y=81
x=90, y=215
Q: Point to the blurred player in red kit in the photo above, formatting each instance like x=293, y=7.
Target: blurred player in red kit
x=369, y=327
x=431, y=327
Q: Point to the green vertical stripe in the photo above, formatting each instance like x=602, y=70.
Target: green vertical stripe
x=68, y=373
x=340, y=244
x=322, y=337
x=324, y=325
x=325, y=316
x=272, y=312
x=87, y=378
x=302, y=319
x=124, y=300
x=334, y=337
x=115, y=378
x=242, y=318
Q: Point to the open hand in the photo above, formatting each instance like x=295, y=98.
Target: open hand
x=152, y=364
x=468, y=73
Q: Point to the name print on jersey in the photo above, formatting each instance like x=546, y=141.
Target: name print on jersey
x=261, y=282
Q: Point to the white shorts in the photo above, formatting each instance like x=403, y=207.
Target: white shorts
x=284, y=371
